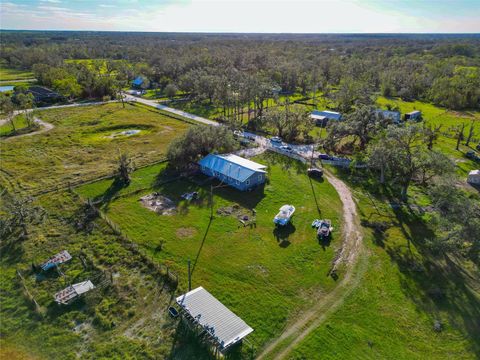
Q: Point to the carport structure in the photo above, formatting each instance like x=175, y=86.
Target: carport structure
x=212, y=320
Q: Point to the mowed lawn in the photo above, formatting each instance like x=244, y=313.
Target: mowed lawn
x=404, y=290
x=84, y=144
x=264, y=275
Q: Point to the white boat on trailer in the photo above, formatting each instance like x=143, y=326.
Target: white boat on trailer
x=284, y=215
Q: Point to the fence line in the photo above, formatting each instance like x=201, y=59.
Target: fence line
x=162, y=269
x=81, y=182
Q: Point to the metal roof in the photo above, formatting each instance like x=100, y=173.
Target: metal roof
x=474, y=172
x=56, y=259
x=222, y=324
x=71, y=292
x=414, y=112
x=232, y=166
x=325, y=114
x=388, y=114
x=138, y=81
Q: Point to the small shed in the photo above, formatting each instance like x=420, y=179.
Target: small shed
x=55, y=260
x=395, y=116
x=240, y=173
x=73, y=292
x=322, y=117
x=414, y=115
x=474, y=177
x=222, y=327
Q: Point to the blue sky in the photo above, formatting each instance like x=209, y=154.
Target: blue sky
x=301, y=16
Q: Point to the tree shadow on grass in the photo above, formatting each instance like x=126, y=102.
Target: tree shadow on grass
x=437, y=284
x=114, y=188
x=187, y=344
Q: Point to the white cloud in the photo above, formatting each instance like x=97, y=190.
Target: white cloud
x=303, y=16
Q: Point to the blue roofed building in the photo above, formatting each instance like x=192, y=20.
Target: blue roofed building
x=138, y=81
x=322, y=117
x=240, y=173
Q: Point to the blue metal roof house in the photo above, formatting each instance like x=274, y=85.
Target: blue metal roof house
x=321, y=117
x=138, y=81
x=234, y=170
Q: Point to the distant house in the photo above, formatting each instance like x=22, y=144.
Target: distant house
x=43, y=95
x=322, y=117
x=474, y=177
x=414, y=115
x=138, y=82
x=395, y=116
x=234, y=170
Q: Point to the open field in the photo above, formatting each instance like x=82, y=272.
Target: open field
x=121, y=319
x=84, y=144
x=264, y=275
x=449, y=120
x=7, y=74
x=404, y=291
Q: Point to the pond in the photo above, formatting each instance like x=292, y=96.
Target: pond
x=129, y=132
x=6, y=88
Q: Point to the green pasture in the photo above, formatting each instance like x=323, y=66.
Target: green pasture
x=264, y=274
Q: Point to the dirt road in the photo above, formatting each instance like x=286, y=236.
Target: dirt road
x=349, y=255
x=44, y=127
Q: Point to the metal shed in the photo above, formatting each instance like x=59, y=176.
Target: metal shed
x=222, y=326
x=321, y=117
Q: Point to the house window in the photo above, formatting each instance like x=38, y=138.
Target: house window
x=247, y=182
x=260, y=177
x=237, y=182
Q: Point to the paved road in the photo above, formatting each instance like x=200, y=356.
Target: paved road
x=172, y=110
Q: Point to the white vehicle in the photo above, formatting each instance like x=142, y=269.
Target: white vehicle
x=284, y=215
x=286, y=148
x=276, y=139
x=238, y=133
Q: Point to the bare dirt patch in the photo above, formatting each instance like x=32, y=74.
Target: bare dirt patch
x=159, y=203
x=186, y=232
x=243, y=215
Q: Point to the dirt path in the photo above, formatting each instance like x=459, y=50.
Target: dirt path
x=349, y=255
x=44, y=127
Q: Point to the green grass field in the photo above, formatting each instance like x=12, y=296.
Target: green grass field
x=8, y=74
x=19, y=122
x=264, y=275
x=404, y=290
x=84, y=144
x=105, y=323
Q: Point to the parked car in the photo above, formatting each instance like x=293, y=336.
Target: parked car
x=286, y=148
x=324, y=157
x=472, y=155
x=238, y=133
x=276, y=139
x=315, y=172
